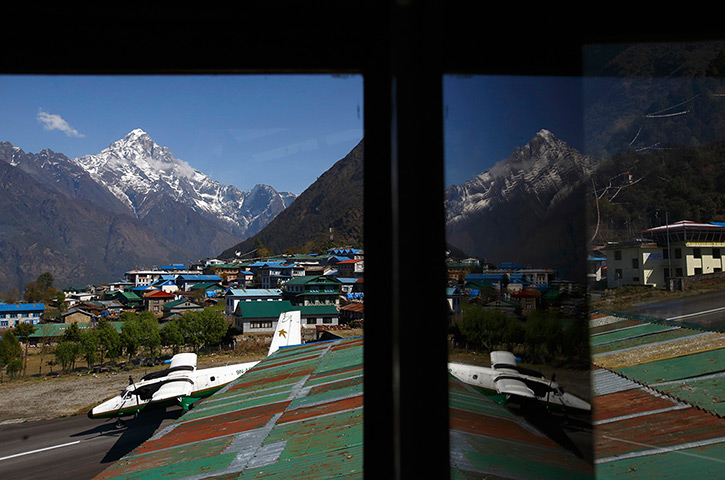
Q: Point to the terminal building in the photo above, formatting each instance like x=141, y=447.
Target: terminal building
x=680, y=249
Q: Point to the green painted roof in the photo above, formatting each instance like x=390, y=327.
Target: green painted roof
x=128, y=296
x=312, y=279
x=659, y=398
x=275, y=308
x=57, y=329
x=299, y=414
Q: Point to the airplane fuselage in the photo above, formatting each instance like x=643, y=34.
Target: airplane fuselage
x=546, y=391
x=137, y=396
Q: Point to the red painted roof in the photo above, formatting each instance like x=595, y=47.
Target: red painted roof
x=158, y=294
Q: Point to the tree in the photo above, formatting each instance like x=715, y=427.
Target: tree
x=482, y=328
x=203, y=328
x=150, y=335
x=544, y=335
x=41, y=289
x=140, y=331
x=214, y=327
x=131, y=335
x=109, y=340
x=88, y=346
x=24, y=330
x=9, y=348
x=11, y=296
x=14, y=367
x=191, y=329
x=65, y=355
x=172, y=336
x=513, y=334
x=60, y=301
x=45, y=280
x=72, y=333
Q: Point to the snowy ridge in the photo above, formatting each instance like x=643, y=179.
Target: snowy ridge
x=544, y=171
x=139, y=172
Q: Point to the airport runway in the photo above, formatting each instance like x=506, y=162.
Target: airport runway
x=74, y=447
x=706, y=310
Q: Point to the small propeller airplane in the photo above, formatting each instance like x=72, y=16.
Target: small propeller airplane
x=183, y=384
x=507, y=378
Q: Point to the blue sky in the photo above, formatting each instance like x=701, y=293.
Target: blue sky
x=487, y=117
x=283, y=131
x=279, y=130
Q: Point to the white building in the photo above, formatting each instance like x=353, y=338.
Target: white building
x=681, y=249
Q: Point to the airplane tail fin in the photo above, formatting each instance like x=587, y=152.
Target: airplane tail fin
x=288, y=332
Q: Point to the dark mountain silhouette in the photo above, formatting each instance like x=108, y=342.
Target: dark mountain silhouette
x=331, y=206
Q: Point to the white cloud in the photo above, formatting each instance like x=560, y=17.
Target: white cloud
x=55, y=122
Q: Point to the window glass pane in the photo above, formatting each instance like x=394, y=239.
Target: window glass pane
x=516, y=173
x=181, y=206
x=653, y=121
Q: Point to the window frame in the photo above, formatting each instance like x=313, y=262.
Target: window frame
x=402, y=48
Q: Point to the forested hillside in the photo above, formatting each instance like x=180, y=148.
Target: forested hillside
x=639, y=191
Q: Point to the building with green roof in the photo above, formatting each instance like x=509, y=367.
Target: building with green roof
x=261, y=317
x=127, y=299
x=312, y=290
x=52, y=332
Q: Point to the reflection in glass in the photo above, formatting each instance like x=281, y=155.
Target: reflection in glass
x=654, y=119
x=516, y=178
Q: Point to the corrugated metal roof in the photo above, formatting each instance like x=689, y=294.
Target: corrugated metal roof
x=299, y=414
x=488, y=441
x=21, y=307
x=57, y=329
x=657, y=400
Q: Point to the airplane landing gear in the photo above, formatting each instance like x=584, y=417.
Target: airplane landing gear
x=119, y=423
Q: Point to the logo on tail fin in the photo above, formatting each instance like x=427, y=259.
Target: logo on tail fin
x=288, y=331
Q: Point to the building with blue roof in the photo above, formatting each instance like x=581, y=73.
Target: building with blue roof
x=185, y=282
x=274, y=274
x=11, y=314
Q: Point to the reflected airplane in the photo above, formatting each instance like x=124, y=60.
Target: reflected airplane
x=505, y=377
x=183, y=384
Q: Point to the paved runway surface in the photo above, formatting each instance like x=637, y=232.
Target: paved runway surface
x=706, y=310
x=72, y=448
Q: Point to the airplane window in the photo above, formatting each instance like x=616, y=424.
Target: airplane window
x=475, y=377
x=212, y=379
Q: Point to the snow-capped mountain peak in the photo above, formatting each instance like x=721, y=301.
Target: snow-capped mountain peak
x=144, y=175
x=544, y=170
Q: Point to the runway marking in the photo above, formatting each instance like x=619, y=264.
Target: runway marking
x=39, y=450
x=704, y=312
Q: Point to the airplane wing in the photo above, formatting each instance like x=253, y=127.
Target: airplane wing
x=183, y=359
x=178, y=382
x=503, y=361
x=174, y=382
x=179, y=362
x=174, y=387
x=513, y=386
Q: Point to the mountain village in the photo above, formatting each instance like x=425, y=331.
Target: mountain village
x=326, y=287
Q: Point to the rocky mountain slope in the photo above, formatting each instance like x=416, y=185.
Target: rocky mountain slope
x=334, y=201
x=179, y=202
x=131, y=205
x=43, y=230
x=526, y=209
